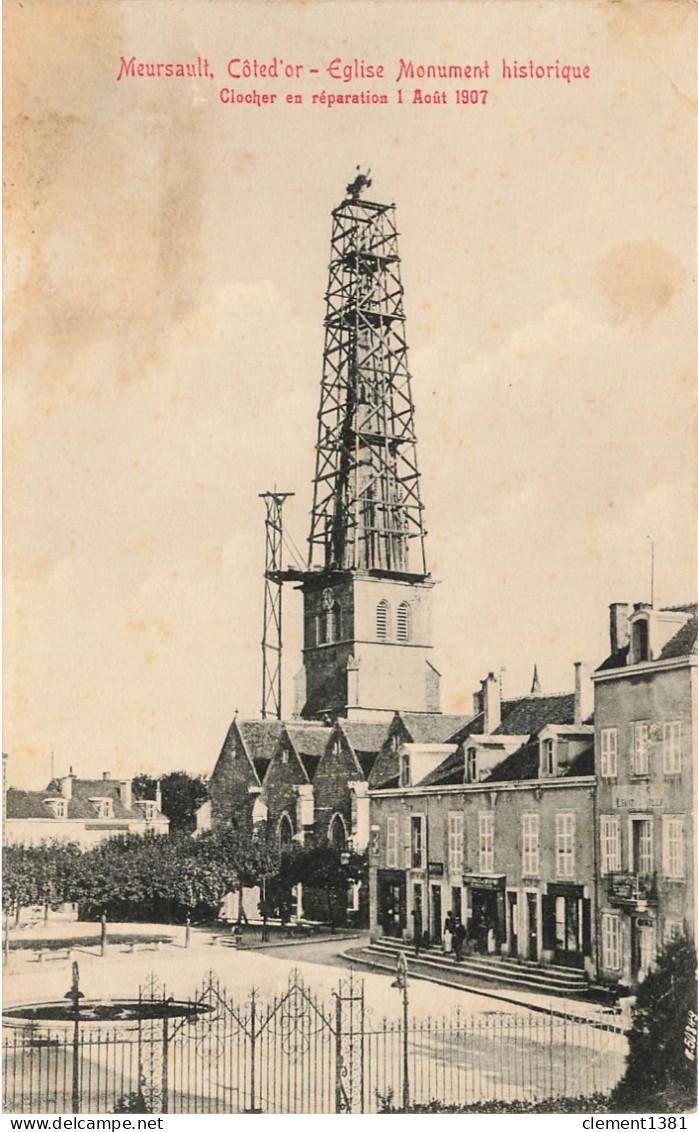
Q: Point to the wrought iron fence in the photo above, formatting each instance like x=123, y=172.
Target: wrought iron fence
x=299, y=1054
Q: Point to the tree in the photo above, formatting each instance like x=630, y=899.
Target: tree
x=243, y=856
x=182, y=794
x=660, y=1074
x=329, y=870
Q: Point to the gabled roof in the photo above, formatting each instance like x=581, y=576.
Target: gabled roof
x=524, y=715
x=365, y=736
x=308, y=738
x=260, y=737
x=432, y=727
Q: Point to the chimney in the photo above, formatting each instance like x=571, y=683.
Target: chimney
x=105, y=776
x=158, y=797
x=491, y=704
x=582, y=693
x=67, y=785
x=477, y=703
x=125, y=792
x=619, y=625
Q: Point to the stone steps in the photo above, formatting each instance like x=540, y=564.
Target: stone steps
x=550, y=980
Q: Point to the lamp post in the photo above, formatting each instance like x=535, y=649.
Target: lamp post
x=401, y=984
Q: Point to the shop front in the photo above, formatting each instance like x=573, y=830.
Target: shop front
x=567, y=924
x=486, y=921
x=392, y=902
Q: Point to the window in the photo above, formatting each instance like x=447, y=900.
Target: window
x=284, y=833
x=391, y=843
x=58, y=805
x=405, y=771
x=383, y=620
x=149, y=811
x=609, y=830
x=284, y=755
x=486, y=830
x=642, y=848
x=338, y=832
x=671, y=747
x=549, y=757
x=610, y=941
x=640, y=642
x=320, y=629
x=609, y=752
x=403, y=621
x=640, y=738
x=673, y=846
x=417, y=842
x=471, y=765
x=565, y=830
x=530, y=833
x=455, y=843
x=672, y=930
x=646, y=948
x=104, y=807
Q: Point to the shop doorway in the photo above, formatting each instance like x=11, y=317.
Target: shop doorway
x=436, y=913
x=456, y=903
x=513, y=917
x=567, y=925
x=532, y=905
x=392, y=903
x=485, y=927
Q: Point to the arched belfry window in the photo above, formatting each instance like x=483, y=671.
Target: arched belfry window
x=403, y=621
x=383, y=620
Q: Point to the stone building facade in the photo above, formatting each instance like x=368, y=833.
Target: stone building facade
x=646, y=693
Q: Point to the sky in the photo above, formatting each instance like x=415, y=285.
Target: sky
x=165, y=266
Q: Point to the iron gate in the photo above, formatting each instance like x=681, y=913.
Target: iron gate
x=294, y=1054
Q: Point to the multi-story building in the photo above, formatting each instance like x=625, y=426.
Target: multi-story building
x=644, y=718
x=79, y=809
x=493, y=826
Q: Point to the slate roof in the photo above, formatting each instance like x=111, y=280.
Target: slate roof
x=526, y=715
x=365, y=736
x=260, y=737
x=583, y=764
x=684, y=642
x=433, y=727
x=28, y=804
x=34, y=803
x=366, y=761
x=308, y=738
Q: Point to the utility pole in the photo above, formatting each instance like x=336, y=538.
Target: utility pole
x=401, y=984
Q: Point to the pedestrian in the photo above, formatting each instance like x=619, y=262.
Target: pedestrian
x=449, y=927
x=459, y=940
x=417, y=928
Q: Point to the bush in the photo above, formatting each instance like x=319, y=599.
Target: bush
x=597, y=1102
x=661, y=1069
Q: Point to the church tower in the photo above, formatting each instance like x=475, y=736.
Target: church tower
x=366, y=592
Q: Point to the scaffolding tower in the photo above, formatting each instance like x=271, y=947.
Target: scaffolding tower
x=367, y=513
x=273, y=596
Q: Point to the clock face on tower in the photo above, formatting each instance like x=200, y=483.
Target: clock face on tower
x=327, y=599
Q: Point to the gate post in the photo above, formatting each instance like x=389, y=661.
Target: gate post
x=164, y=1083
x=253, y=1051
x=339, y=1105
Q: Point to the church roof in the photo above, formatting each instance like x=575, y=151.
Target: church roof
x=260, y=737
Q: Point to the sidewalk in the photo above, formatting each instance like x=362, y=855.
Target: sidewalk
x=450, y=976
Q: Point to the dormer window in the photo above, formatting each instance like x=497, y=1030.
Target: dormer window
x=471, y=765
x=641, y=641
x=59, y=807
x=284, y=756
x=549, y=767
x=405, y=770
x=149, y=811
x=104, y=807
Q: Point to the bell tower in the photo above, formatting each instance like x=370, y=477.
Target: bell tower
x=366, y=591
